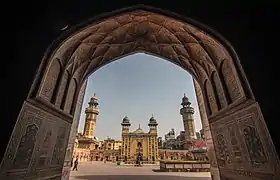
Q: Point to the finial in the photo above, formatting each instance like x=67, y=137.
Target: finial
x=152, y=115
x=184, y=94
x=94, y=94
x=139, y=127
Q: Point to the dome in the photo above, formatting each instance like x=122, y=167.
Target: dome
x=138, y=131
x=93, y=100
x=125, y=120
x=152, y=119
x=185, y=100
x=94, y=97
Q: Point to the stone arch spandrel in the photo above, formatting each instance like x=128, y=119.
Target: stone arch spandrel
x=50, y=80
x=71, y=91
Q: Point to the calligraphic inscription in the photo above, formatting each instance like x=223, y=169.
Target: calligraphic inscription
x=254, y=146
x=44, y=149
x=59, y=145
x=26, y=147
x=223, y=151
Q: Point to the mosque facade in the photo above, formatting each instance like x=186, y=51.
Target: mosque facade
x=139, y=144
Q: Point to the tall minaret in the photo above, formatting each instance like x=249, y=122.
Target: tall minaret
x=153, y=125
x=187, y=114
x=91, y=115
x=125, y=151
x=153, y=144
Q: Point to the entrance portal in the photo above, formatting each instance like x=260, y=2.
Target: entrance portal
x=239, y=143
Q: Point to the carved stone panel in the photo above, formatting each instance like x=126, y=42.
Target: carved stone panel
x=44, y=150
x=26, y=147
x=23, y=142
x=31, y=144
x=237, y=154
x=244, y=134
x=222, y=151
x=60, y=146
x=254, y=146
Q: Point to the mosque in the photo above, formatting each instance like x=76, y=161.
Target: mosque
x=139, y=144
x=135, y=144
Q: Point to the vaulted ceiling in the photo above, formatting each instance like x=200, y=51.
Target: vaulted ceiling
x=141, y=31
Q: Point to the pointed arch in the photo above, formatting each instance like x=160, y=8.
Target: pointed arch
x=232, y=89
x=70, y=95
x=57, y=84
x=210, y=97
x=51, y=80
x=207, y=103
x=218, y=90
x=63, y=89
x=215, y=90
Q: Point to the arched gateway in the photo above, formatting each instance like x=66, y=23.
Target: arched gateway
x=239, y=143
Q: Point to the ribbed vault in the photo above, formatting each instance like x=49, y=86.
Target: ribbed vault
x=141, y=31
x=126, y=33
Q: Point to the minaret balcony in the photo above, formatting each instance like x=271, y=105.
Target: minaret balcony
x=186, y=110
x=92, y=110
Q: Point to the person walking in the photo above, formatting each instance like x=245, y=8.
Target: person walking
x=72, y=159
x=76, y=165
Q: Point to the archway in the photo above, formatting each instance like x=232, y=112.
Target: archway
x=228, y=106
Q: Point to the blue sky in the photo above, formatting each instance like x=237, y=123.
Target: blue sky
x=138, y=86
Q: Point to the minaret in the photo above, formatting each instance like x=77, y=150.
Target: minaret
x=125, y=139
x=91, y=115
x=153, y=145
x=153, y=125
x=187, y=114
x=125, y=125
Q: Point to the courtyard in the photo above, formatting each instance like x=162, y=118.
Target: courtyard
x=109, y=171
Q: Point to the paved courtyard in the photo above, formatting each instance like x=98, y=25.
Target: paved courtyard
x=109, y=171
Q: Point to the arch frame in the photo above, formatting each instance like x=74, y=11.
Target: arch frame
x=99, y=18
x=240, y=74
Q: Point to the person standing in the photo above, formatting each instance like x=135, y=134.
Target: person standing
x=76, y=165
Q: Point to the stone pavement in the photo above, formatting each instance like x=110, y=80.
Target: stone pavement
x=109, y=171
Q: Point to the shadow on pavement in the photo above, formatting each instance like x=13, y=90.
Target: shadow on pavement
x=137, y=177
x=156, y=170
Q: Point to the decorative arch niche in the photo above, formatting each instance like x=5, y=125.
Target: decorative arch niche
x=205, y=54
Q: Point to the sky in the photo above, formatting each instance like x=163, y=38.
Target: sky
x=139, y=86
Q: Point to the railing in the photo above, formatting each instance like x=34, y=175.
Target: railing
x=184, y=166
